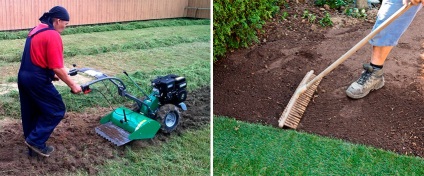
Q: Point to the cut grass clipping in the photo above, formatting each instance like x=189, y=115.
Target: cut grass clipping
x=113, y=63
x=249, y=149
x=115, y=41
x=145, y=60
x=112, y=27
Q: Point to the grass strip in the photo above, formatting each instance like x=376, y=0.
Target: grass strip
x=10, y=35
x=250, y=149
x=136, y=45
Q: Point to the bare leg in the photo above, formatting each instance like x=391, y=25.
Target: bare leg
x=379, y=54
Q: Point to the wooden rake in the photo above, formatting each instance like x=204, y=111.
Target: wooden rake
x=304, y=92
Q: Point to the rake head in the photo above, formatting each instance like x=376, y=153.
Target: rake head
x=299, y=101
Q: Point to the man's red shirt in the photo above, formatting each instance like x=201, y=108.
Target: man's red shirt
x=46, y=48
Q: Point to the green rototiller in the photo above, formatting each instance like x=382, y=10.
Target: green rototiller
x=159, y=110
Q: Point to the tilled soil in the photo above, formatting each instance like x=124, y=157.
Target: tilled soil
x=255, y=84
x=77, y=145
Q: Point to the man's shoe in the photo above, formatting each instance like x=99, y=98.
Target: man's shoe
x=371, y=79
x=46, y=151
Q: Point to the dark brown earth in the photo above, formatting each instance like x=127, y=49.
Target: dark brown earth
x=77, y=145
x=255, y=84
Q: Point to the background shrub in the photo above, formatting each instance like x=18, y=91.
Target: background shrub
x=237, y=22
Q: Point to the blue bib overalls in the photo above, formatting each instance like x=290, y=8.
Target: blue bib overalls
x=42, y=107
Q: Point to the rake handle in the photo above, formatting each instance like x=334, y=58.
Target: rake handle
x=356, y=47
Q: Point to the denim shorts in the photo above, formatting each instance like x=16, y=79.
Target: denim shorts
x=391, y=34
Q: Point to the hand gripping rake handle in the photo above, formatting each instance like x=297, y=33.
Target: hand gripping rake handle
x=304, y=86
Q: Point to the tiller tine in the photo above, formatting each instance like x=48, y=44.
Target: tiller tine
x=124, y=125
x=114, y=134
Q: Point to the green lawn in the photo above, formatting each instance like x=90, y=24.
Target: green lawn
x=145, y=60
x=188, y=154
x=8, y=35
x=122, y=40
x=249, y=149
